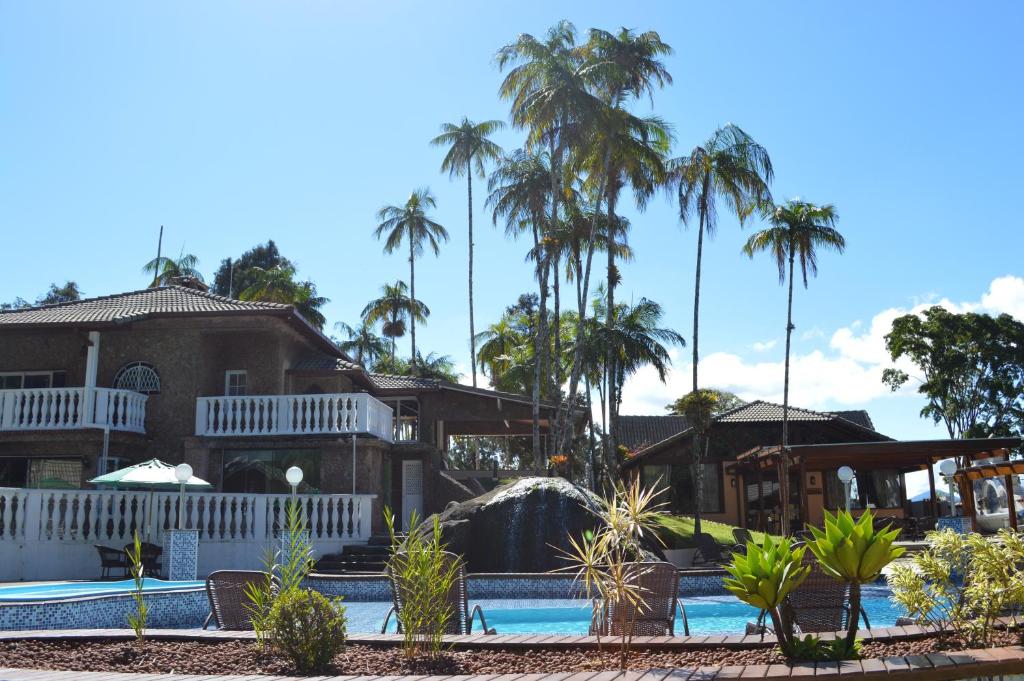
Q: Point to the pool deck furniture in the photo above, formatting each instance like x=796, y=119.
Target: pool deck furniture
x=229, y=601
x=709, y=553
x=822, y=603
x=458, y=598
x=653, y=615
x=112, y=559
x=151, y=557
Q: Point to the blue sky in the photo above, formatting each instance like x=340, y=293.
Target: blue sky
x=234, y=122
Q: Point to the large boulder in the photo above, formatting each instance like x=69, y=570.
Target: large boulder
x=519, y=527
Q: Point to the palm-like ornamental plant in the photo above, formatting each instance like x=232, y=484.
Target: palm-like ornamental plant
x=182, y=271
x=278, y=285
x=361, y=343
x=468, y=149
x=392, y=309
x=854, y=551
x=410, y=223
x=798, y=230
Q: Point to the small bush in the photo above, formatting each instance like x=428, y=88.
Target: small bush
x=308, y=628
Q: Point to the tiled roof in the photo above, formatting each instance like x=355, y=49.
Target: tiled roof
x=324, y=363
x=759, y=411
x=858, y=416
x=637, y=432
x=391, y=382
x=132, y=306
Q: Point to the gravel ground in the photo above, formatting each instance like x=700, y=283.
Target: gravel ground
x=242, y=657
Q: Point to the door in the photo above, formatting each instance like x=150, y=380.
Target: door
x=412, y=490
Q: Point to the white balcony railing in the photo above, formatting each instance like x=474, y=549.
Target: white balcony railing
x=71, y=408
x=330, y=414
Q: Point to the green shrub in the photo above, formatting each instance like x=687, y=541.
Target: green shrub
x=308, y=628
x=963, y=583
x=420, y=564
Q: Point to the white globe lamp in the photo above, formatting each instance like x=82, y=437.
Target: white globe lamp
x=182, y=473
x=948, y=470
x=845, y=475
x=294, y=476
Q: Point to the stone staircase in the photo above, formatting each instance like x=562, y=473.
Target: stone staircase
x=357, y=558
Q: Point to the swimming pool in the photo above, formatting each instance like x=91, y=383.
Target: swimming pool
x=707, y=615
x=47, y=591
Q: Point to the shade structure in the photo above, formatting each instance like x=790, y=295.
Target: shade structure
x=152, y=475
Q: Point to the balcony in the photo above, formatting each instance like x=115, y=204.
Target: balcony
x=261, y=415
x=38, y=409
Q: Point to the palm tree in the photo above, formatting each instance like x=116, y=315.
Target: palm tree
x=393, y=308
x=362, y=343
x=798, y=229
x=468, y=149
x=440, y=367
x=502, y=346
x=180, y=271
x=730, y=165
x=410, y=223
x=278, y=285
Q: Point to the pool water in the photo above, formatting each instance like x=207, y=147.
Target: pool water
x=44, y=591
x=707, y=615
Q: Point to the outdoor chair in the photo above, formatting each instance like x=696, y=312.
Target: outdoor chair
x=458, y=598
x=654, y=615
x=112, y=559
x=229, y=602
x=741, y=536
x=708, y=553
x=820, y=604
x=150, y=557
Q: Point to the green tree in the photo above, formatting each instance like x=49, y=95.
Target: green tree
x=392, y=309
x=361, y=343
x=236, y=275
x=971, y=369
x=278, y=285
x=468, y=149
x=56, y=295
x=797, y=231
x=723, y=401
x=180, y=271
x=410, y=223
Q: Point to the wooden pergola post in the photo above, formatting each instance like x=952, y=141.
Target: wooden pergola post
x=934, y=497
x=804, y=506
x=1011, y=503
x=760, y=496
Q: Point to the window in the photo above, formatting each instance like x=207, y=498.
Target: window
x=21, y=471
x=406, y=412
x=15, y=380
x=679, y=480
x=139, y=377
x=262, y=471
x=880, y=488
x=236, y=382
x=656, y=477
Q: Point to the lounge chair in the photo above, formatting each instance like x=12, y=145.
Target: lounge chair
x=112, y=559
x=741, y=536
x=821, y=603
x=655, y=615
x=708, y=553
x=150, y=557
x=458, y=597
x=229, y=602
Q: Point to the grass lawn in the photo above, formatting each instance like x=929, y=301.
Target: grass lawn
x=679, y=531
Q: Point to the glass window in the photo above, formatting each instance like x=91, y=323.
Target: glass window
x=682, y=493
x=262, y=471
x=13, y=471
x=33, y=379
x=10, y=381
x=881, y=488
x=55, y=473
x=406, y=413
x=236, y=383
x=656, y=477
x=36, y=381
x=139, y=377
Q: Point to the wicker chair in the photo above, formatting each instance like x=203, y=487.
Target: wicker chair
x=741, y=536
x=458, y=598
x=655, y=615
x=151, y=554
x=112, y=559
x=820, y=604
x=708, y=551
x=228, y=600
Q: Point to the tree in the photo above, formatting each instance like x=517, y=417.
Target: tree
x=729, y=165
x=67, y=293
x=468, y=149
x=411, y=224
x=440, y=367
x=723, y=401
x=361, y=343
x=971, y=366
x=278, y=285
x=235, y=275
x=180, y=271
x=798, y=229
x=392, y=309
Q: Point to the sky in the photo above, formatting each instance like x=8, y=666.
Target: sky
x=230, y=123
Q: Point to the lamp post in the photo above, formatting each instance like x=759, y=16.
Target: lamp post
x=845, y=474
x=948, y=469
x=182, y=473
x=294, y=476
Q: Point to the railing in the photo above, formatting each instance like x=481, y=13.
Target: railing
x=70, y=408
x=330, y=414
x=42, y=531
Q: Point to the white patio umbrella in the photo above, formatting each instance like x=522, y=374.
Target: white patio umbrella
x=152, y=475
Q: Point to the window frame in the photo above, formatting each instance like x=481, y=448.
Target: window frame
x=396, y=408
x=24, y=374
x=231, y=373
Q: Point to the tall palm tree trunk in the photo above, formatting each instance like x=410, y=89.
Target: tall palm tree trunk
x=556, y=387
x=540, y=354
x=472, y=329
x=612, y=440
x=784, y=455
x=412, y=294
x=697, y=447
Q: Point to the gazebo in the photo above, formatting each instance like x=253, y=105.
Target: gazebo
x=1006, y=470
x=811, y=463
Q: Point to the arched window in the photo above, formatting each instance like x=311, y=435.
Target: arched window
x=139, y=377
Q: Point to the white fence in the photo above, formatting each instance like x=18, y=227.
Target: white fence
x=49, y=534
x=69, y=408
x=331, y=414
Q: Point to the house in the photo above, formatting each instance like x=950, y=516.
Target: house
x=740, y=472
x=239, y=390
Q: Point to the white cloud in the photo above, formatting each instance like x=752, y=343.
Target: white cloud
x=764, y=346
x=848, y=372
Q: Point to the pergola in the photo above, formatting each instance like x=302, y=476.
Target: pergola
x=965, y=478
x=904, y=456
